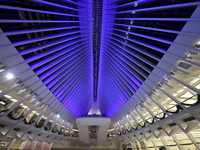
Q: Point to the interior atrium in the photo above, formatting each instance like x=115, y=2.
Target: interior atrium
x=99, y=74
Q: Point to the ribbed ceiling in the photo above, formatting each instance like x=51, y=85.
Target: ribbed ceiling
x=136, y=36
x=86, y=53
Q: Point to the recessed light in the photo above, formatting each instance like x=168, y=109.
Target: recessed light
x=9, y=76
x=7, y=96
x=195, y=80
x=14, y=100
x=136, y=4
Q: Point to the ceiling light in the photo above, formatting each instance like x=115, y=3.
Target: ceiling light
x=58, y=115
x=25, y=106
x=7, y=96
x=181, y=90
x=136, y=4
x=14, y=100
x=195, y=80
x=9, y=76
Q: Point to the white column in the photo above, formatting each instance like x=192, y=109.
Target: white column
x=25, y=142
x=139, y=146
x=154, y=144
x=11, y=144
x=164, y=143
x=177, y=142
x=34, y=145
x=194, y=141
x=147, y=147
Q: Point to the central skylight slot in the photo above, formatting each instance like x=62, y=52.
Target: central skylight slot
x=97, y=21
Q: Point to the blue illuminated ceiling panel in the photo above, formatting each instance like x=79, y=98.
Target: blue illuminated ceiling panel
x=52, y=37
x=100, y=50
x=136, y=36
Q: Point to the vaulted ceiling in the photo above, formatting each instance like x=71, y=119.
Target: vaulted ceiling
x=98, y=51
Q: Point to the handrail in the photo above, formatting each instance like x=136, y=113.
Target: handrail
x=129, y=130
x=142, y=125
x=177, y=110
x=135, y=128
x=160, y=117
x=194, y=104
x=151, y=121
x=4, y=110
